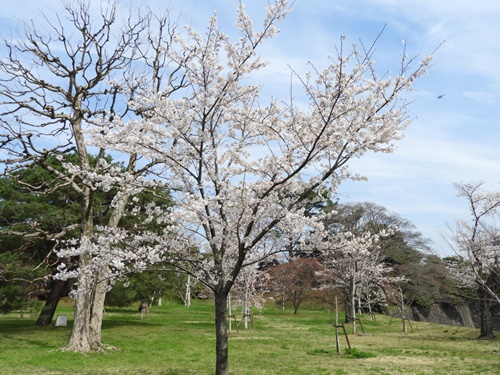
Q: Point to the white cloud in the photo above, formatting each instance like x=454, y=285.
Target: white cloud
x=453, y=138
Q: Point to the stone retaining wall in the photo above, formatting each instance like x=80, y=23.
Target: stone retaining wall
x=465, y=315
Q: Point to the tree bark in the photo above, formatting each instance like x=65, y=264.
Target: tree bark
x=348, y=306
x=80, y=338
x=97, y=312
x=101, y=280
x=297, y=301
x=246, y=308
x=487, y=332
x=49, y=309
x=221, y=344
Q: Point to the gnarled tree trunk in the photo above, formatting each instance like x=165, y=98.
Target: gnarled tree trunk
x=80, y=338
x=97, y=312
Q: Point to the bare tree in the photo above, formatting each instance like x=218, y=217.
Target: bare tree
x=53, y=90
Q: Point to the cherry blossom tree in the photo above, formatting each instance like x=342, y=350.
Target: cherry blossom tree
x=248, y=291
x=477, y=242
x=239, y=169
x=404, y=249
x=354, y=264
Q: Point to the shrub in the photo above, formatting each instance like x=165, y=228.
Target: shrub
x=355, y=353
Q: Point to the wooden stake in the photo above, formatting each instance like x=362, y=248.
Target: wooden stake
x=361, y=325
x=337, y=338
x=347, y=338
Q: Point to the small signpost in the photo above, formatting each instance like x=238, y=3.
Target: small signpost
x=61, y=321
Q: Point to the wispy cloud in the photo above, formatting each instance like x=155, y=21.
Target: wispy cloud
x=453, y=138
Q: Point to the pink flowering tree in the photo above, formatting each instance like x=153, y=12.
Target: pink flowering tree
x=354, y=264
x=248, y=291
x=240, y=168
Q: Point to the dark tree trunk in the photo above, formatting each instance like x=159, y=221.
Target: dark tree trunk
x=296, y=301
x=487, y=332
x=49, y=309
x=348, y=308
x=221, y=345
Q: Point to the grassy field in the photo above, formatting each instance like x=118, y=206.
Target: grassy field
x=177, y=340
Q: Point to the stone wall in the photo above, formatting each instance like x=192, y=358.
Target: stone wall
x=465, y=315
x=443, y=313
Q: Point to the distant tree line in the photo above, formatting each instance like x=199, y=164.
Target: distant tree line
x=33, y=225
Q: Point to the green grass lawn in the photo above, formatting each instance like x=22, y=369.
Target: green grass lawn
x=178, y=340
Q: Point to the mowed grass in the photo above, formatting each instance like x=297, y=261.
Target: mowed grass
x=178, y=340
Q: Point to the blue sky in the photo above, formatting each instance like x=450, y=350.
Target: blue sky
x=452, y=139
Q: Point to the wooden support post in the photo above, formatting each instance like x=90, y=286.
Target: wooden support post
x=405, y=320
x=337, y=338
x=347, y=338
x=235, y=323
x=361, y=325
x=249, y=315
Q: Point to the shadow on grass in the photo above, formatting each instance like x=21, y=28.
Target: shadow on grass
x=26, y=341
x=440, y=338
x=28, y=325
x=118, y=323
x=15, y=324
